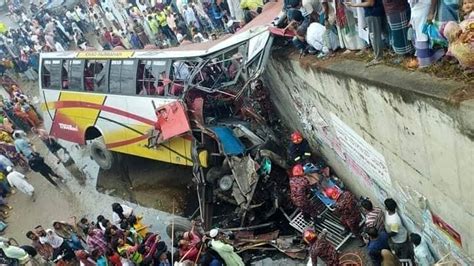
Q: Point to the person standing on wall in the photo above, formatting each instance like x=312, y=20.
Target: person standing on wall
x=397, y=232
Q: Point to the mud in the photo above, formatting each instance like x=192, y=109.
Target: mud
x=151, y=184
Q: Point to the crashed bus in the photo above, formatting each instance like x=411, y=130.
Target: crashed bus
x=191, y=105
x=138, y=102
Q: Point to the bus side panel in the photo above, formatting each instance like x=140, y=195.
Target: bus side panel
x=113, y=122
x=172, y=151
x=49, y=98
x=75, y=112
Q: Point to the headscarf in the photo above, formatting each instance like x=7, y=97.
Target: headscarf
x=117, y=208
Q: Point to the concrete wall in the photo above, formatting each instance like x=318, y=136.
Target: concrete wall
x=410, y=119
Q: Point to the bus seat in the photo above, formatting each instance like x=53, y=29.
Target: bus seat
x=89, y=82
x=160, y=90
x=177, y=89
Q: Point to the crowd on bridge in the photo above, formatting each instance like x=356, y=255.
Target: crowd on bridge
x=106, y=25
x=424, y=28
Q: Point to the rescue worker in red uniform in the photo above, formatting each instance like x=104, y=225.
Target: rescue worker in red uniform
x=299, y=150
x=300, y=192
x=319, y=247
x=346, y=206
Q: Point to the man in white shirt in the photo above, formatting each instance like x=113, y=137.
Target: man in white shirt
x=190, y=17
x=397, y=232
x=422, y=254
x=321, y=39
x=60, y=247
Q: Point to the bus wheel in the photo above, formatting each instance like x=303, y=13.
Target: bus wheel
x=99, y=153
x=181, y=225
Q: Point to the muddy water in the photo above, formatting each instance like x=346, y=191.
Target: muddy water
x=150, y=183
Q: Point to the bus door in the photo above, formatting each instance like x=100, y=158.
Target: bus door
x=120, y=119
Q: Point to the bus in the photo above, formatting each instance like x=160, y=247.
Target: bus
x=143, y=102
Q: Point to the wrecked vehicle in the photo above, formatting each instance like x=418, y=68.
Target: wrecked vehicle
x=196, y=105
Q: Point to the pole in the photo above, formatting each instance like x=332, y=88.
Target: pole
x=172, y=235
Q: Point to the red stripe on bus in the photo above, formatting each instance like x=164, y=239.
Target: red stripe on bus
x=126, y=142
x=77, y=104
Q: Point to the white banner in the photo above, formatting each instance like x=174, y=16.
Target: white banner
x=369, y=159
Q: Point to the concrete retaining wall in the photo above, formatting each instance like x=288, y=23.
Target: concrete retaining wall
x=418, y=143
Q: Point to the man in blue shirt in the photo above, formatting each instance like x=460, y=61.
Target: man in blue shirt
x=377, y=242
x=22, y=145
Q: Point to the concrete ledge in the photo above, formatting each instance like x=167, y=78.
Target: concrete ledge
x=453, y=98
x=387, y=77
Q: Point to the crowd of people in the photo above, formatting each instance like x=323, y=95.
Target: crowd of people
x=123, y=240
x=382, y=233
x=110, y=25
x=426, y=29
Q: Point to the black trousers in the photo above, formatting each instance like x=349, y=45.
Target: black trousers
x=65, y=251
x=47, y=172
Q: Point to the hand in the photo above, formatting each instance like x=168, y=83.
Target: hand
x=349, y=4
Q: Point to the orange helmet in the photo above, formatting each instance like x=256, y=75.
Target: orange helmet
x=296, y=137
x=309, y=236
x=297, y=170
x=332, y=193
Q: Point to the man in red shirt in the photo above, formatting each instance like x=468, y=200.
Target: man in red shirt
x=107, y=36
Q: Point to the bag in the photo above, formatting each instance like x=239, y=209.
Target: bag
x=3, y=226
x=435, y=37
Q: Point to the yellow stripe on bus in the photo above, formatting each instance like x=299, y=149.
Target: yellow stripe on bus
x=104, y=54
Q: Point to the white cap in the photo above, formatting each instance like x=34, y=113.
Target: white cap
x=9, y=169
x=213, y=233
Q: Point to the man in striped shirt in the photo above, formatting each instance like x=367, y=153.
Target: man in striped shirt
x=374, y=216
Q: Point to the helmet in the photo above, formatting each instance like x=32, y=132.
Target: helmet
x=332, y=193
x=297, y=170
x=296, y=137
x=309, y=236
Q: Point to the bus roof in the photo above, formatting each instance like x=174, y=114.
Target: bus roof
x=257, y=26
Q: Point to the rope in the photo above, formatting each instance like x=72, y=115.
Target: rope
x=350, y=261
x=199, y=254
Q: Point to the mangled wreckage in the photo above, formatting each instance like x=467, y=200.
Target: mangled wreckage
x=200, y=105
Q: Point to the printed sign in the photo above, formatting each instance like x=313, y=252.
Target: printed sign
x=104, y=55
x=369, y=159
x=447, y=229
x=359, y=172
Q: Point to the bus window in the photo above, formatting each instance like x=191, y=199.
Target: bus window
x=46, y=74
x=151, y=77
x=122, y=76
x=51, y=74
x=181, y=72
x=74, y=75
x=55, y=74
x=65, y=75
x=95, y=75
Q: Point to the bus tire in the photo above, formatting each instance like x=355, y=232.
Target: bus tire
x=181, y=225
x=99, y=153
